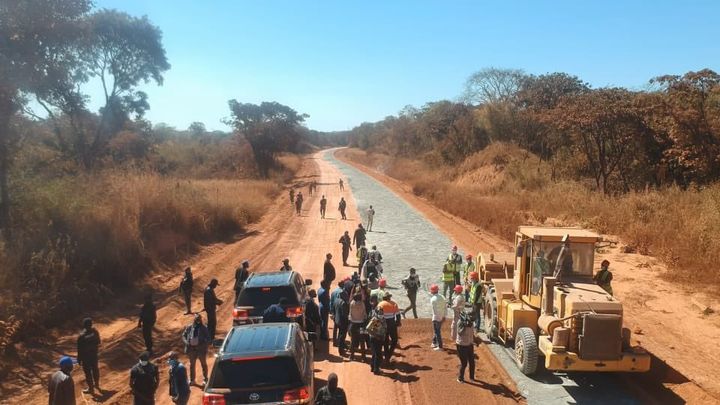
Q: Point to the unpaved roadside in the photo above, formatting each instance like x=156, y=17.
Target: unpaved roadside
x=667, y=322
x=417, y=376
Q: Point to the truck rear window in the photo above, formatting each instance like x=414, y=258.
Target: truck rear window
x=255, y=373
x=263, y=297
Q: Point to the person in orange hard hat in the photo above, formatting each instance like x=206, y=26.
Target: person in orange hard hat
x=469, y=268
x=475, y=299
x=439, y=310
x=458, y=306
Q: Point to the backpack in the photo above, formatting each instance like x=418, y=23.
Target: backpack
x=375, y=328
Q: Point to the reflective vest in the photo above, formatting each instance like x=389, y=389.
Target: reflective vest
x=475, y=293
x=469, y=268
x=390, y=308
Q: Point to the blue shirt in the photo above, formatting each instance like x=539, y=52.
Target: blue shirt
x=178, y=381
x=323, y=298
x=275, y=313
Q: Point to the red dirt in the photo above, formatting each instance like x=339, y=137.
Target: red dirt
x=418, y=376
x=662, y=316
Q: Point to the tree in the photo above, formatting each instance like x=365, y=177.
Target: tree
x=493, y=85
x=121, y=51
x=269, y=127
x=197, y=130
x=603, y=125
x=36, y=39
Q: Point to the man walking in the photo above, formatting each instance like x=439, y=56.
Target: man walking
x=465, y=341
x=148, y=316
x=186, y=286
x=88, y=344
x=439, y=308
x=390, y=313
x=196, y=338
x=323, y=206
x=328, y=269
x=359, y=237
x=458, y=306
x=411, y=284
x=285, y=267
x=346, y=247
x=370, y=216
x=144, y=380
x=298, y=202
x=178, y=380
x=61, y=387
x=342, y=185
x=211, y=302
x=241, y=274
x=331, y=394
x=376, y=329
x=604, y=277
x=341, y=207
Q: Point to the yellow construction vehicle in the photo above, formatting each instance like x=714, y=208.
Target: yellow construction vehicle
x=552, y=308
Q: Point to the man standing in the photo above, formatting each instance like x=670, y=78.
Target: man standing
x=144, y=380
x=346, y=247
x=341, y=207
x=312, y=319
x=370, y=216
x=358, y=315
x=324, y=300
x=390, y=313
x=196, y=338
x=458, y=306
x=298, y=202
x=342, y=185
x=465, y=340
x=476, y=298
x=331, y=394
x=411, y=284
x=61, y=386
x=604, y=277
x=333, y=298
x=211, y=302
x=469, y=268
x=439, y=308
x=88, y=344
x=379, y=292
x=359, y=237
x=292, y=196
x=376, y=329
x=178, y=380
x=285, y=267
x=323, y=206
x=328, y=269
x=342, y=314
x=451, y=273
x=241, y=274
x=186, y=286
x=148, y=316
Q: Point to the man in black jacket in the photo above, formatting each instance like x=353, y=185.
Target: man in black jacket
x=241, y=275
x=88, y=344
x=359, y=236
x=61, y=387
x=148, y=316
x=346, y=247
x=186, y=286
x=328, y=269
x=331, y=394
x=211, y=302
x=144, y=380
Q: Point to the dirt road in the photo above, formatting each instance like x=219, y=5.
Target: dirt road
x=418, y=376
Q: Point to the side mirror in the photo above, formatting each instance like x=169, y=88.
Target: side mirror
x=217, y=343
x=308, y=281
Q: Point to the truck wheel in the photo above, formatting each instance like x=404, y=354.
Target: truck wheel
x=526, y=350
x=490, y=314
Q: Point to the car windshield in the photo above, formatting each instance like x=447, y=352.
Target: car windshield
x=576, y=260
x=256, y=372
x=263, y=297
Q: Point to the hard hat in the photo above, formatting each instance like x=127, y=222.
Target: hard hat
x=382, y=282
x=468, y=257
x=434, y=289
x=474, y=275
x=66, y=361
x=458, y=288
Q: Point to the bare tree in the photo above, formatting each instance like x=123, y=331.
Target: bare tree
x=493, y=85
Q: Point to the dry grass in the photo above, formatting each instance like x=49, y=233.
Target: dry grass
x=681, y=227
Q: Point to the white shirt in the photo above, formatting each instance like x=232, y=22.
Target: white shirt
x=458, y=303
x=370, y=212
x=439, y=307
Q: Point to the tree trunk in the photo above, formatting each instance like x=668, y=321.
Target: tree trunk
x=7, y=109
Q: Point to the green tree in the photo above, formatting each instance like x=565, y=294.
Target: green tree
x=269, y=127
x=36, y=43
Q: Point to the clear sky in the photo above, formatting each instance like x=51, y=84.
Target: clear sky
x=346, y=62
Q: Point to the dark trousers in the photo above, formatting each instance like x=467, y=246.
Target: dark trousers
x=478, y=317
x=187, y=295
x=345, y=255
x=467, y=357
x=391, y=338
x=437, y=333
x=144, y=399
x=357, y=339
x=376, y=346
x=322, y=212
x=342, y=214
x=211, y=324
x=92, y=372
x=324, y=317
x=195, y=354
x=412, y=296
x=342, y=335
x=147, y=336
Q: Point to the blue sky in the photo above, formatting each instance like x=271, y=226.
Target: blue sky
x=346, y=62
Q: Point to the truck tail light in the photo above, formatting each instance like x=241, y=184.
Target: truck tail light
x=213, y=399
x=293, y=312
x=297, y=396
x=240, y=314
